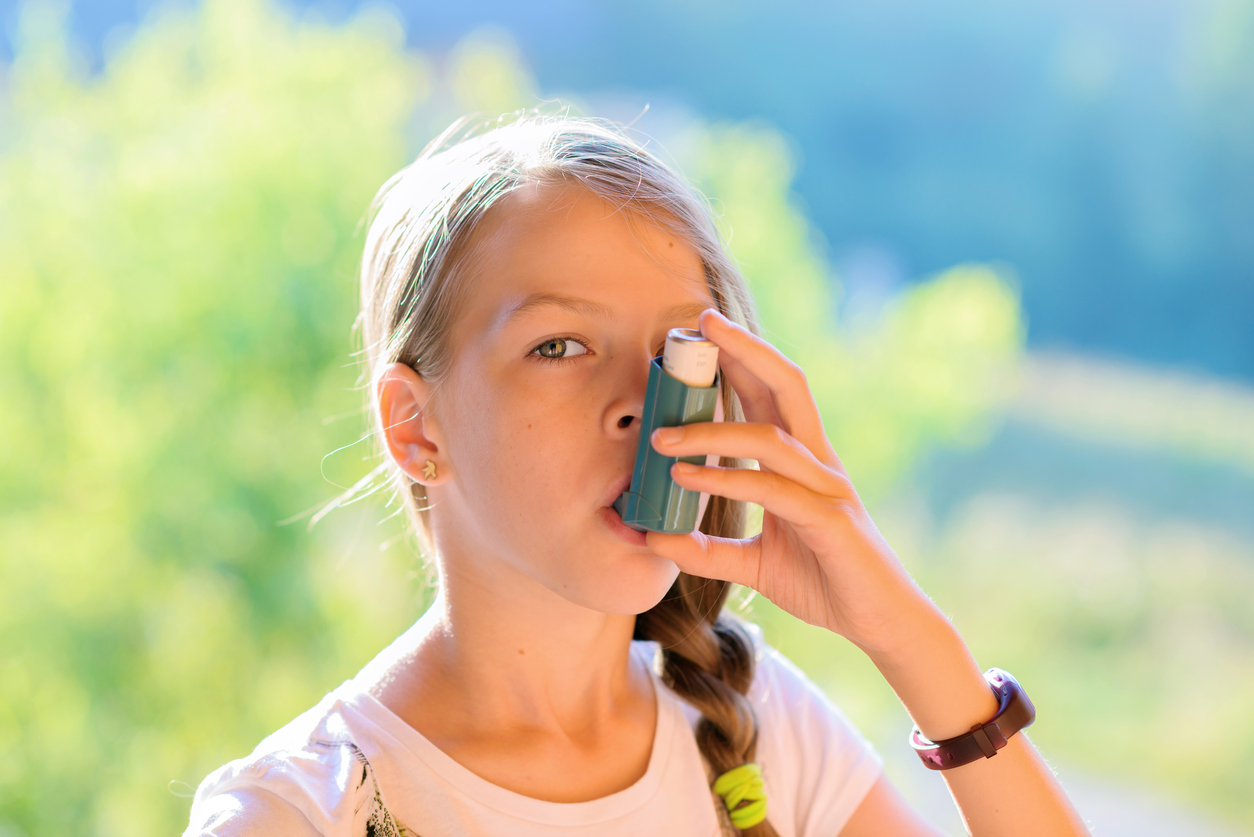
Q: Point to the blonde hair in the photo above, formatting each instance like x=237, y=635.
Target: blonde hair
x=423, y=218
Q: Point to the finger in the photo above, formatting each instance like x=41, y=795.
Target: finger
x=755, y=399
x=753, y=356
x=776, y=494
x=758, y=405
x=773, y=448
x=784, y=379
x=725, y=559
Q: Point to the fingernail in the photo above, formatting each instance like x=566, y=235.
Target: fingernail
x=685, y=468
x=668, y=435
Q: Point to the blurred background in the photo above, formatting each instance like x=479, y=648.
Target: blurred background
x=1011, y=244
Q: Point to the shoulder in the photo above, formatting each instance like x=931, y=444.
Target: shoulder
x=245, y=811
x=816, y=761
x=307, y=778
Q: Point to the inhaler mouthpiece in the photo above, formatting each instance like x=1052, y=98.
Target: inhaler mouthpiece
x=690, y=358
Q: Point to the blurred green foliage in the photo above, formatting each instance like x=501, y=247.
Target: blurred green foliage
x=1135, y=633
x=1134, y=638
x=177, y=247
x=178, y=243
x=933, y=367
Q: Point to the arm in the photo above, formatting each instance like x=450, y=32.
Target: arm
x=820, y=557
x=935, y=699
x=884, y=811
x=1012, y=793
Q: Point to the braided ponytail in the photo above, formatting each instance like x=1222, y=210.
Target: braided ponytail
x=707, y=656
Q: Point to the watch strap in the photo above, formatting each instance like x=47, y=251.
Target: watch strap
x=1014, y=712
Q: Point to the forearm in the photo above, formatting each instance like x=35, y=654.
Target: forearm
x=938, y=681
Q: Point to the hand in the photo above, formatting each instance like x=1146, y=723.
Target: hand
x=819, y=555
x=821, y=558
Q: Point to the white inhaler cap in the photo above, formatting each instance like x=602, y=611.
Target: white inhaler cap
x=690, y=358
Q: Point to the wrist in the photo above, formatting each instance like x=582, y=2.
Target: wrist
x=1014, y=712
x=937, y=679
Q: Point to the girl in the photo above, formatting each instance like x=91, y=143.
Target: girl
x=576, y=676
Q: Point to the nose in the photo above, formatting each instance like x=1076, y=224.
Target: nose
x=623, y=418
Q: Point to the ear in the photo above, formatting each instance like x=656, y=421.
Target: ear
x=411, y=433
x=711, y=459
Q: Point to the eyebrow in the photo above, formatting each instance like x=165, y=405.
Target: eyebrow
x=589, y=308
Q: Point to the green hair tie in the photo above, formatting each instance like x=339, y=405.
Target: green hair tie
x=743, y=784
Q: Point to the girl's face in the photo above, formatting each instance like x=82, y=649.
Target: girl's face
x=569, y=300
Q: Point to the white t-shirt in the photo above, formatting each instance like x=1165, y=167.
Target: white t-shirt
x=350, y=767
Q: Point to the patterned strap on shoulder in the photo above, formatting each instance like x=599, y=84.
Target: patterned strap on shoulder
x=371, y=817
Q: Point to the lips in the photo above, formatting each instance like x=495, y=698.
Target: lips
x=616, y=488
x=609, y=515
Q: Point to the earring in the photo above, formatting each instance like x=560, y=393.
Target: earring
x=429, y=471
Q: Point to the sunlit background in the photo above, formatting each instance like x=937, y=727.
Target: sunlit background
x=1011, y=243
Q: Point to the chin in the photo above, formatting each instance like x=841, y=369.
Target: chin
x=634, y=584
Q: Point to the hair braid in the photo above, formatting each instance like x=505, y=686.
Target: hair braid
x=708, y=657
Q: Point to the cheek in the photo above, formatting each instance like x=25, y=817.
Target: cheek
x=515, y=454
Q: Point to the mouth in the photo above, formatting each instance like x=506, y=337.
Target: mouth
x=613, y=519
x=616, y=488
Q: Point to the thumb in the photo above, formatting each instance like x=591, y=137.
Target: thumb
x=725, y=559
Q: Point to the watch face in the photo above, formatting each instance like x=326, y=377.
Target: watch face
x=998, y=676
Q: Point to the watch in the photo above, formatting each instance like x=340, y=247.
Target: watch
x=1014, y=712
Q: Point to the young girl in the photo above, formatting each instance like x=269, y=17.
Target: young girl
x=576, y=676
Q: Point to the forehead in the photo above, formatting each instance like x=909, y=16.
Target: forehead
x=563, y=240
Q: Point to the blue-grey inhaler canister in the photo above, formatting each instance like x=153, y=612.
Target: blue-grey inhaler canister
x=683, y=388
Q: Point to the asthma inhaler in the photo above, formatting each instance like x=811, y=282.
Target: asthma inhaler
x=683, y=388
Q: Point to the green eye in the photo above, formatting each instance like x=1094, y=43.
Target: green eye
x=560, y=348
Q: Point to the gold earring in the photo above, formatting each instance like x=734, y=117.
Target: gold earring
x=429, y=471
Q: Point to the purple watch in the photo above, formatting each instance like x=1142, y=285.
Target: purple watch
x=1014, y=712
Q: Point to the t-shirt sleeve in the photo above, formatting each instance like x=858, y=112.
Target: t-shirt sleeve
x=817, y=765
x=300, y=793
x=247, y=812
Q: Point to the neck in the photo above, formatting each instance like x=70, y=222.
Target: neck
x=498, y=652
